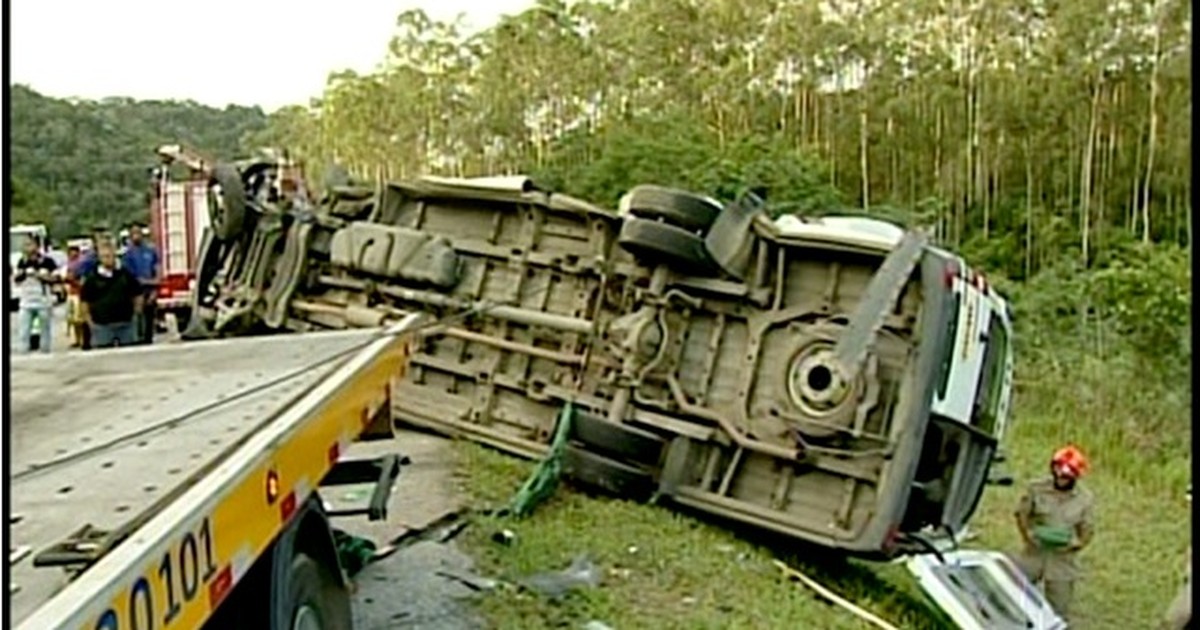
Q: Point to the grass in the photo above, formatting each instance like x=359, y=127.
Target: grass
x=660, y=569
x=665, y=570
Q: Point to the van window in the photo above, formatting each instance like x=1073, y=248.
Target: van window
x=951, y=344
x=991, y=377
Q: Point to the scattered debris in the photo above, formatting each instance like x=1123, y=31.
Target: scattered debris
x=442, y=530
x=354, y=552
x=471, y=581
x=833, y=597
x=582, y=572
x=504, y=537
x=425, y=584
x=597, y=625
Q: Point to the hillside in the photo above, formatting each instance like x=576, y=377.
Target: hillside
x=78, y=163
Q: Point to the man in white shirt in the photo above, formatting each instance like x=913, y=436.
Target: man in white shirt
x=34, y=278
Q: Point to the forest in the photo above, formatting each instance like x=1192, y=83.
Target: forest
x=1048, y=141
x=79, y=163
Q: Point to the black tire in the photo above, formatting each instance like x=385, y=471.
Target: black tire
x=620, y=441
x=226, y=202
x=676, y=207
x=662, y=244
x=314, y=590
x=609, y=476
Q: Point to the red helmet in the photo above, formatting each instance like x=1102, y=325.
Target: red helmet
x=1069, y=461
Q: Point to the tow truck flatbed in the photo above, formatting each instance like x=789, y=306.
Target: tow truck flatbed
x=170, y=453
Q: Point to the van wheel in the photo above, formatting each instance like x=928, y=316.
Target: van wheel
x=226, y=202
x=676, y=207
x=664, y=244
x=315, y=598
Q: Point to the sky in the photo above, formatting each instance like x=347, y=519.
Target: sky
x=269, y=53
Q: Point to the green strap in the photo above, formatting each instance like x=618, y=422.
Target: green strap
x=541, y=484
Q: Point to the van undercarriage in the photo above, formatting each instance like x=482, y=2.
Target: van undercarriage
x=779, y=375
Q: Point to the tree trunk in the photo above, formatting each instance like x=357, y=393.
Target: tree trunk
x=1153, y=131
x=1085, y=173
x=1028, y=209
x=864, y=158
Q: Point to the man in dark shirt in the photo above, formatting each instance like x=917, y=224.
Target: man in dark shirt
x=87, y=262
x=84, y=266
x=112, y=298
x=141, y=259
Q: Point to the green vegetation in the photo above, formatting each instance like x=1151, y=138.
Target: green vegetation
x=1048, y=142
x=659, y=569
x=78, y=163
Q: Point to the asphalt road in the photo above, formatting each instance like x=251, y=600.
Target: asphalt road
x=59, y=340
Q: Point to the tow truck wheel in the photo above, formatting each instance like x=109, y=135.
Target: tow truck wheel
x=317, y=600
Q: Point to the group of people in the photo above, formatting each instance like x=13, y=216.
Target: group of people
x=1055, y=520
x=110, y=295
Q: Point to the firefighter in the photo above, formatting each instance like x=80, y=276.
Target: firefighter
x=1054, y=518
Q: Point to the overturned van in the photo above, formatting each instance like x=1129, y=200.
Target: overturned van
x=838, y=380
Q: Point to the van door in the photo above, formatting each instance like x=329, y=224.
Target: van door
x=983, y=590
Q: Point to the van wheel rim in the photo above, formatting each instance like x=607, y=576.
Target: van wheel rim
x=306, y=619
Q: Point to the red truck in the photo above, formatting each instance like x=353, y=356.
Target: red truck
x=179, y=214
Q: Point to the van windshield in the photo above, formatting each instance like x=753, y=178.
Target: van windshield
x=991, y=377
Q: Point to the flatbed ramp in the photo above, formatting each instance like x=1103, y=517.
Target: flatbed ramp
x=134, y=444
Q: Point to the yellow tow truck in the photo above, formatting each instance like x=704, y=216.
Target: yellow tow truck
x=176, y=486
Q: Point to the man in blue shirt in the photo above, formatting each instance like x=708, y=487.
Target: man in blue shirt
x=141, y=259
